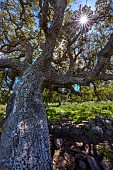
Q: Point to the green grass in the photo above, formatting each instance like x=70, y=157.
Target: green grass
x=78, y=112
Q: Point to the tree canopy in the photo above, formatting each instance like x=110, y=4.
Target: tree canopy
x=80, y=53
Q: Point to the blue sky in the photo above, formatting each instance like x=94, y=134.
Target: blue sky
x=83, y=2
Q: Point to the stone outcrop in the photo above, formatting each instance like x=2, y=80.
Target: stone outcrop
x=94, y=131
x=75, y=146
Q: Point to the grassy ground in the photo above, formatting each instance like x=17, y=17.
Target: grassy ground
x=78, y=112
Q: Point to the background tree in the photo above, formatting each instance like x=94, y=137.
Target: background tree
x=45, y=50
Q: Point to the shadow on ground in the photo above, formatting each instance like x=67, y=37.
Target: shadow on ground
x=82, y=146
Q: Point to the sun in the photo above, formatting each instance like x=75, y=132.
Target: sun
x=83, y=19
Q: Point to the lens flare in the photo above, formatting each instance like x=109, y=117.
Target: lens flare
x=83, y=19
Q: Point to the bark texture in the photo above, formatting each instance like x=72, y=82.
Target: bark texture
x=25, y=137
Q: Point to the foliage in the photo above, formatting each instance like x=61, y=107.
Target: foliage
x=76, y=112
x=2, y=114
x=104, y=148
x=80, y=112
x=4, y=87
x=50, y=96
x=103, y=92
x=24, y=32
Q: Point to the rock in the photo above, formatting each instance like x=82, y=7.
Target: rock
x=68, y=123
x=87, y=127
x=99, y=123
x=99, y=118
x=86, y=151
x=50, y=122
x=92, y=163
x=106, y=165
x=91, y=121
x=76, y=131
x=57, y=160
x=80, y=155
x=79, y=144
x=58, y=143
x=76, y=141
x=97, y=130
x=76, y=151
x=109, y=133
x=82, y=165
x=67, y=157
x=51, y=127
x=57, y=129
x=108, y=124
x=65, y=129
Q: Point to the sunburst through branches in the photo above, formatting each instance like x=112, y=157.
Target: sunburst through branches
x=83, y=18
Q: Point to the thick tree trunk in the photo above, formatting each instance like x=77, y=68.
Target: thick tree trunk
x=25, y=137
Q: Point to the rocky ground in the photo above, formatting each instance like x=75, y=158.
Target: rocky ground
x=82, y=146
x=85, y=145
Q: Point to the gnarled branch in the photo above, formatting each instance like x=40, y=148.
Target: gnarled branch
x=96, y=74
x=12, y=63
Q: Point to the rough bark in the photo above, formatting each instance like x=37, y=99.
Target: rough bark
x=25, y=137
x=15, y=64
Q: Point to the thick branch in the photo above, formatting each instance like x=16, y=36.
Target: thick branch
x=12, y=63
x=104, y=77
x=56, y=24
x=43, y=16
x=67, y=88
x=58, y=15
x=10, y=46
x=103, y=57
x=28, y=51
